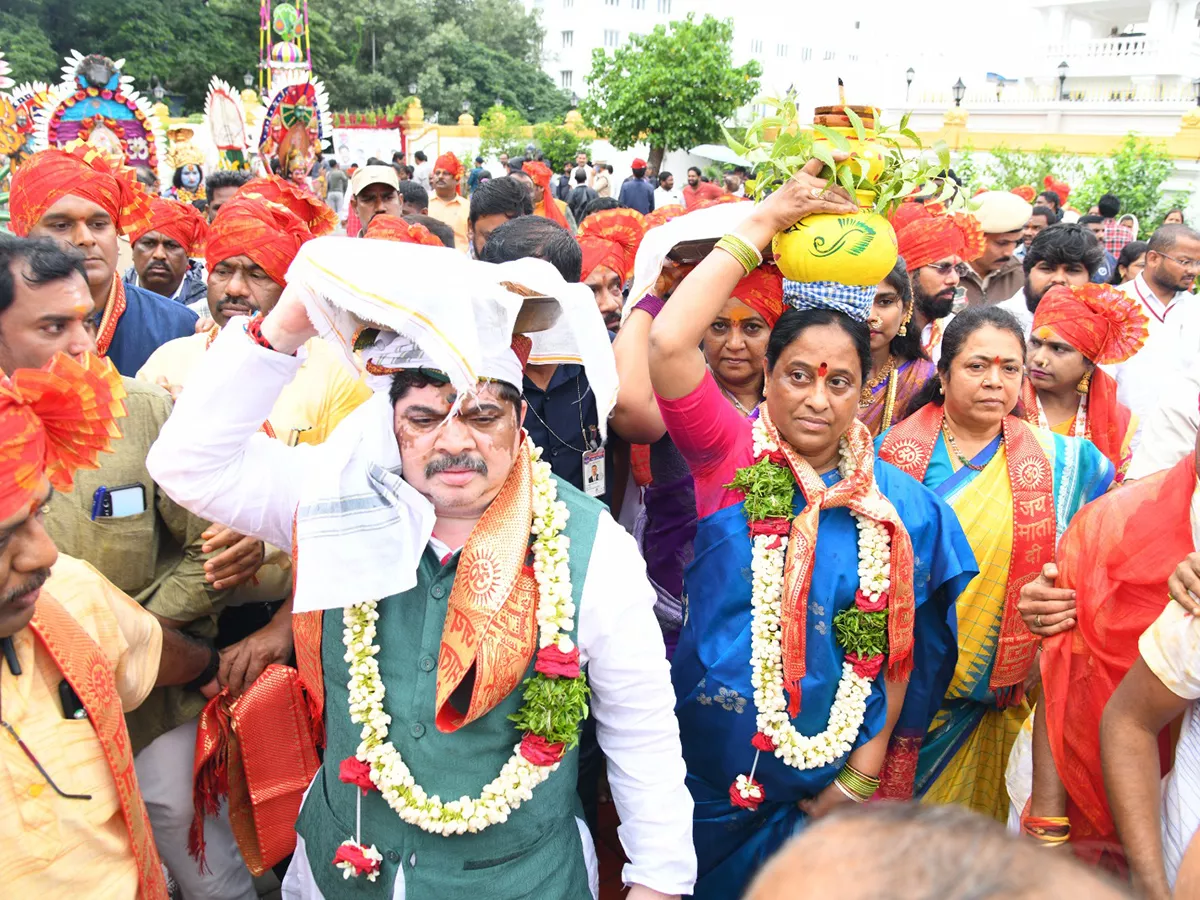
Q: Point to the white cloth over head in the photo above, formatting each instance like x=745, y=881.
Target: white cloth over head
x=710, y=223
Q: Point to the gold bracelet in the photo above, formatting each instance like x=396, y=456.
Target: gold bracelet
x=742, y=250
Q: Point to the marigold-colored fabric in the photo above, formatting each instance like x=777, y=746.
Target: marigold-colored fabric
x=664, y=214
x=386, y=227
x=929, y=238
x=268, y=233
x=179, y=221
x=1101, y=322
x=53, y=421
x=1025, y=192
x=308, y=207
x=448, y=162
x=541, y=175
x=1116, y=554
x=762, y=291
x=1059, y=187
x=610, y=238
x=1108, y=420
x=49, y=175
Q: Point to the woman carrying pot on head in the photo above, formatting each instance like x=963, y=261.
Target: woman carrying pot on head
x=788, y=680
x=1015, y=488
x=899, y=367
x=733, y=346
x=1075, y=330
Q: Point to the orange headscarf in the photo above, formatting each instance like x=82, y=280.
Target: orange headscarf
x=762, y=291
x=610, y=238
x=664, y=214
x=385, y=227
x=448, y=162
x=924, y=237
x=49, y=175
x=53, y=421
x=541, y=175
x=308, y=207
x=179, y=221
x=1025, y=192
x=1059, y=187
x=268, y=233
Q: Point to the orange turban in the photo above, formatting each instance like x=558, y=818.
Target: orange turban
x=924, y=238
x=310, y=209
x=541, y=175
x=664, y=214
x=49, y=175
x=179, y=221
x=1098, y=320
x=762, y=291
x=392, y=228
x=610, y=238
x=1059, y=187
x=53, y=421
x=449, y=162
x=268, y=233
x=1025, y=192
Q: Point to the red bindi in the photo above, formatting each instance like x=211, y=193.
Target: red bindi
x=996, y=360
x=823, y=369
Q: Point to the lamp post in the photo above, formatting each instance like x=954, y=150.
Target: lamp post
x=1063, y=69
x=158, y=90
x=908, y=78
x=959, y=89
x=1196, y=89
x=247, y=79
x=412, y=89
x=466, y=106
x=574, y=100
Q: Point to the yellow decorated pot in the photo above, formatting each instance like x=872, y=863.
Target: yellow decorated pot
x=866, y=157
x=858, y=249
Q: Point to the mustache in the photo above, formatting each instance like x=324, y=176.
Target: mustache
x=457, y=461
x=226, y=302
x=35, y=582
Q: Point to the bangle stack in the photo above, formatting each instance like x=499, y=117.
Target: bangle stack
x=855, y=785
x=1050, y=831
x=742, y=250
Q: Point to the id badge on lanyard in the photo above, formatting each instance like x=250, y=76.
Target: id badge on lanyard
x=593, y=465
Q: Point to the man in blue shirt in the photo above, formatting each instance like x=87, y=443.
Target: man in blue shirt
x=81, y=201
x=637, y=192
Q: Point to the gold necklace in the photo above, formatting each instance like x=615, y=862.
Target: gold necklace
x=864, y=398
x=954, y=448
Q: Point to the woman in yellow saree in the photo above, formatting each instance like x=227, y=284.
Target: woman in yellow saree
x=1014, y=488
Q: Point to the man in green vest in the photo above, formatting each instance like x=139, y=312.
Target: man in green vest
x=476, y=607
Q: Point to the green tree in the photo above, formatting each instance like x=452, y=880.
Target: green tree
x=559, y=143
x=1009, y=169
x=1135, y=173
x=671, y=88
x=502, y=130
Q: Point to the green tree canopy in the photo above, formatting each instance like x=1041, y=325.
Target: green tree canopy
x=671, y=88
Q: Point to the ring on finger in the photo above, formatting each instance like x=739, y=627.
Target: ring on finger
x=1037, y=620
x=816, y=193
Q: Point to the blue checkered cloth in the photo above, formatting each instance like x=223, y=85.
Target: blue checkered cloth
x=853, y=301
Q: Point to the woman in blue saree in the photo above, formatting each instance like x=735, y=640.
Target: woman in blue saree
x=729, y=700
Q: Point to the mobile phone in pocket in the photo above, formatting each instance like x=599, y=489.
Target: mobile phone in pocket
x=119, y=502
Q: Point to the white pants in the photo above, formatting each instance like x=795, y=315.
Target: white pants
x=164, y=771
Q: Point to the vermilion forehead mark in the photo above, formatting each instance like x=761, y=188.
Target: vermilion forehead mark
x=996, y=360
x=740, y=315
x=823, y=369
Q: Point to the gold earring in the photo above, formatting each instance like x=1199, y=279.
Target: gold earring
x=1084, y=383
x=907, y=317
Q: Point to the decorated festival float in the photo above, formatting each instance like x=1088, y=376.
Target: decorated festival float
x=98, y=105
x=226, y=123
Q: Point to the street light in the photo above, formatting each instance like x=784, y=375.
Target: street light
x=158, y=90
x=960, y=91
x=247, y=79
x=499, y=101
x=1063, y=69
x=574, y=100
x=466, y=106
x=412, y=89
x=908, y=77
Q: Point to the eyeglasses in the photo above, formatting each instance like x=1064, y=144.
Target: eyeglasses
x=1186, y=263
x=943, y=269
x=37, y=765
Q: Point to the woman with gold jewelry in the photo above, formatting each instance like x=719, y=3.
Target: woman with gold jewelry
x=899, y=367
x=1015, y=488
x=818, y=605
x=1075, y=329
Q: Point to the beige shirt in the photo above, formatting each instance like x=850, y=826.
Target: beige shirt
x=453, y=212
x=997, y=287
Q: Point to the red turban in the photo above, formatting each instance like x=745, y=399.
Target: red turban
x=311, y=210
x=664, y=214
x=53, y=421
x=179, y=221
x=610, y=238
x=448, y=162
x=762, y=291
x=541, y=175
x=268, y=233
x=1025, y=192
x=50, y=175
x=928, y=238
x=1059, y=187
x=392, y=228
x=1098, y=320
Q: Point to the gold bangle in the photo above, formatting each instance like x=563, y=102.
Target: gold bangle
x=742, y=250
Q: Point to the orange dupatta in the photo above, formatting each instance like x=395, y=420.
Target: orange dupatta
x=89, y=672
x=909, y=446
x=1108, y=419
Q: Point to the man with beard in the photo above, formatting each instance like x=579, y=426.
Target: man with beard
x=995, y=274
x=80, y=200
x=448, y=205
x=1040, y=219
x=1060, y=255
x=162, y=254
x=155, y=554
x=373, y=190
x=697, y=190
x=936, y=250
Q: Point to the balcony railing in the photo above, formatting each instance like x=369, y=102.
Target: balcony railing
x=1117, y=56
x=1107, y=48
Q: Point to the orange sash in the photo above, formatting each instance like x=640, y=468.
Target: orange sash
x=909, y=446
x=113, y=310
x=861, y=494
x=89, y=672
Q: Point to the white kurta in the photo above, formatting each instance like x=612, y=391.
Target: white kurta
x=208, y=459
x=1020, y=309
x=1169, y=434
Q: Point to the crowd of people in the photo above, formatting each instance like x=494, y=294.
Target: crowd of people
x=306, y=535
